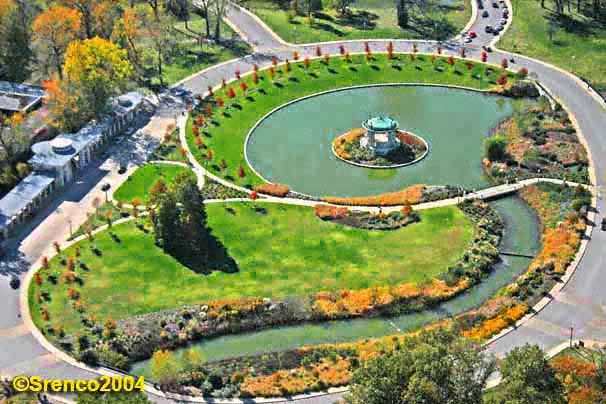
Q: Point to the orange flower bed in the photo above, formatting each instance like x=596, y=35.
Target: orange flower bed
x=411, y=195
x=560, y=243
x=328, y=212
x=494, y=325
x=348, y=303
x=299, y=380
x=340, y=142
x=279, y=190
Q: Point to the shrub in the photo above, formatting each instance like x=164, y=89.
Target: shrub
x=523, y=72
x=495, y=148
x=231, y=93
x=411, y=195
x=502, y=80
x=504, y=63
x=329, y=212
x=278, y=190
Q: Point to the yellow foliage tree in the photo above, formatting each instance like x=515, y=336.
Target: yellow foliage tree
x=93, y=71
x=164, y=367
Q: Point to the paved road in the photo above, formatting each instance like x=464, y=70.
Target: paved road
x=581, y=305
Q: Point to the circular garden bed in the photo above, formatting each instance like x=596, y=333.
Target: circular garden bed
x=412, y=149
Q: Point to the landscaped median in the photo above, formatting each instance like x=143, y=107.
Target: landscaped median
x=217, y=130
x=78, y=297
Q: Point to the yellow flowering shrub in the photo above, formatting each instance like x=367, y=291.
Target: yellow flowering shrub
x=494, y=325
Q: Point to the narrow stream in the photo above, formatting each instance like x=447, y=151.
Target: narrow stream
x=521, y=235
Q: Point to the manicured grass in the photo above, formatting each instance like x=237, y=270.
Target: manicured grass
x=578, y=43
x=370, y=19
x=186, y=56
x=225, y=136
x=285, y=251
x=140, y=182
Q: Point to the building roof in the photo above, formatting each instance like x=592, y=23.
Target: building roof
x=15, y=97
x=22, y=89
x=47, y=156
x=22, y=195
x=380, y=123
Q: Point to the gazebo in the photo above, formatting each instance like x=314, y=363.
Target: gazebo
x=380, y=136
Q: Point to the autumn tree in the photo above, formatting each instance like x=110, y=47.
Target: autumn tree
x=128, y=32
x=54, y=30
x=13, y=141
x=105, y=15
x=99, y=69
x=86, y=9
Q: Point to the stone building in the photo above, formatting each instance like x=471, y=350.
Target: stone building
x=56, y=162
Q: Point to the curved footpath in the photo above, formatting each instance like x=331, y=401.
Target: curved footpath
x=581, y=304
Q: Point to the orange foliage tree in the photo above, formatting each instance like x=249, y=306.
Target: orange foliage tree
x=54, y=29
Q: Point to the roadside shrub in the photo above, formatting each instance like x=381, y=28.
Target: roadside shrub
x=279, y=190
x=411, y=195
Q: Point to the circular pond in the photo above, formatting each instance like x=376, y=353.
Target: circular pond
x=293, y=145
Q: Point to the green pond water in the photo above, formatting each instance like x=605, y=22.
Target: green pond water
x=293, y=145
x=521, y=235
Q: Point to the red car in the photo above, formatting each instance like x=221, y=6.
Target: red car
x=472, y=34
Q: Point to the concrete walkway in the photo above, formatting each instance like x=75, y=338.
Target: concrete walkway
x=581, y=304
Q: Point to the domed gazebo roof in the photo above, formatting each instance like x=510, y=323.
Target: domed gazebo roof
x=380, y=124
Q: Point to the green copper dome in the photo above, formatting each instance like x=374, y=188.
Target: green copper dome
x=380, y=124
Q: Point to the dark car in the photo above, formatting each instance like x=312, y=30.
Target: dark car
x=604, y=224
x=122, y=169
x=485, y=14
x=488, y=29
x=495, y=5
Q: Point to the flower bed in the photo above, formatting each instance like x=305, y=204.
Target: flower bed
x=562, y=212
x=348, y=148
x=408, y=196
x=215, y=190
x=367, y=220
x=278, y=190
x=539, y=141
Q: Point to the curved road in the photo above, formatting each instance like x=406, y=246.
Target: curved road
x=581, y=304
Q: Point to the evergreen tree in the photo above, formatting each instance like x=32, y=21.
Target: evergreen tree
x=15, y=40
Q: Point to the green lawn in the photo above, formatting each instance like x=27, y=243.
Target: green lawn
x=578, y=45
x=369, y=19
x=140, y=182
x=226, y=135
x=285, y=251
x=187, y=56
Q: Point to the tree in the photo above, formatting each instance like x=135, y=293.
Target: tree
x=219, y=9
x=54, y=30
x=434, y=367
x=15, y=38
x=342, y=5
x=528, y=379
x=158, y=28
x=128, y=31
x=97, y=69
x=13, y=140
x=86, y=9
x=402, y=10
x=495, y=148
x=105, y=15
x=180, y=224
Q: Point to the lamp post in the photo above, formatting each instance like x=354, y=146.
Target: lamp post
x=105, y=188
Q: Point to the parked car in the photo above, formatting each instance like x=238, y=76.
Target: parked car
x=480, y=4
x=122, y=169
x=604, y=224
x=488, y=29
x=485, y=14
x=495, y=5
x=500, y=28
x=472, y=34
x=503, y=21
